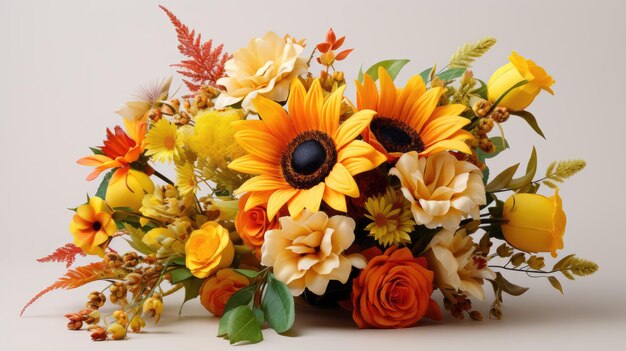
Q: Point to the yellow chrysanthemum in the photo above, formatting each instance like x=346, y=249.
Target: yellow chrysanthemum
x=303, y=156
x=213, y=139
x=408, y=119
x=163, y=141
x=186, y=181
x=391, y=218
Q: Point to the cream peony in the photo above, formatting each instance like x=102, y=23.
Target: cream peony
x=265, y=67
x=307, y=251
x=451, y=258
x=442, y=190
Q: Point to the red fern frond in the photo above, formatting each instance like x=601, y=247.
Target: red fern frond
x=205, y=64
x=66, y=254
x=80, y=276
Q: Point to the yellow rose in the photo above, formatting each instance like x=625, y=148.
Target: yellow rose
x=208, y=250
x=128, y=191
x=216, y=291
x=517, y=70
x=535, y=223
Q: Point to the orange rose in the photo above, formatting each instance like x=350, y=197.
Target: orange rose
x=252, y=224
x=215, y=291
x=393, y=291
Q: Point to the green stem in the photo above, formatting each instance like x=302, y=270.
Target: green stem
x=163, y=177
x=523, y=270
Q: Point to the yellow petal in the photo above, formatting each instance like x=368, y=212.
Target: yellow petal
x=278, y=199
x=352, y=127
x=252, y=164
x=359, y=156
x=313, y=197
x=423, y=108
x=448, y=110
x=331, y=111
x=445, y=145
x=275, y=118
x=295, y=105
x=413, y=89
x=261, y=183
x=335, y=199
x=340, y=180
x=442, y=128
x=263, y=145
x=257, y=198
x=387, y=99
x=313, y=102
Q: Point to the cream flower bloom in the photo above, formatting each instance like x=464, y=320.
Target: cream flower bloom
x=442, y=190
x=451, y=258
x=265, y=67
x=307, y=251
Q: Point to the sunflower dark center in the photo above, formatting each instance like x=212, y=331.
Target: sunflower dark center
x=308, y=159
x=96, y=226
x=395, y=135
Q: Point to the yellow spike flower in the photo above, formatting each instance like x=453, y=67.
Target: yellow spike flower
x=303, y=156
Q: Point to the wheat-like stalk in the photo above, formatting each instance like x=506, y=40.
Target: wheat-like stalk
x=466, y=54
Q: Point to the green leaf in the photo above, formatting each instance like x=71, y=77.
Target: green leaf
x=96, y=151
x=278, y=305
x=192, y=290
x=180, y=274
x=222, y=330
x=519, y=84
x=243, y=326
x=260, y=316
x=425, y=74
x=241, y=297
x=486, y=175
x=102, y=188
x=509, y=287
x=562, y=263
x=451, y=73
x=482, y=90
x=135, y=239
x=393, y=67
x=248, y=273
x=530, y=119
x=360, y=76
x=502, y=179
x=531, y=169
x=555, y=284
x=179, y=261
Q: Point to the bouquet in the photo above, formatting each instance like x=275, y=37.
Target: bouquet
x=283, y=188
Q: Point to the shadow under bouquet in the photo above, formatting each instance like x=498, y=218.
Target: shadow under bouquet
x=281, y=187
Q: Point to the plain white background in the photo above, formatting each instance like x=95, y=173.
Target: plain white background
x=65, y=66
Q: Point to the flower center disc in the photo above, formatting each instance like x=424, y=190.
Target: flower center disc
x=96, y=226
x=395, y=135
x=308, y=159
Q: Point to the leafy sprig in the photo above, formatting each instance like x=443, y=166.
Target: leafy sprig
x=466, y=54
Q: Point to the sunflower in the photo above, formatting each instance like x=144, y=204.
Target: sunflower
x=163, y=141
x=391, y=217
x=408, y=119
x=303, y=156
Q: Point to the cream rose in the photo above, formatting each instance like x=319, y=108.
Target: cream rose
x=307, y=251
x=265, y=67
x=442, y=190
x=451, y=257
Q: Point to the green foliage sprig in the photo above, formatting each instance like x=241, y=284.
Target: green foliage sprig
x=466, y=54
x=559, y=171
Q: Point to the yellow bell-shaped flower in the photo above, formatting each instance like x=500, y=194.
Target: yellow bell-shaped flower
x=507, y=76
x=128, y=190
x=535, y=223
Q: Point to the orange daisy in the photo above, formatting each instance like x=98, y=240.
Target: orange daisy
x=120, y=150
x=303, y=156
x=408, y=119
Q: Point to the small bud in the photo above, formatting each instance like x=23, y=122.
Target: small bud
x=75, y=321
x=536, y=262
x=118, y=293
x=476, y=315
x=467, y=78
x=500, y=114
x=136, y=323
x=130, y=259
x=121, y=317
x=479, y=105
x=153, y=307
x=518, y=259
x=117, y=331
x=97, y=333
x=113, y=260
x=485, y=125
x=486, y=145
x=504, y=250
x=96, y=300
x=155, y=115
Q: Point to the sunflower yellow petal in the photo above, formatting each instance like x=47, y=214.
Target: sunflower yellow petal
x=295, y=105
x=387, y=98
x=335, y=199
x=331, y=111
x=261, y=183
x=448, y=110
x=352, y=127
x=425, y=105
x=340, y=180
x=263, y=145
x=252, y=164
x=275, y=118
x=367, y=94
x=278, y=199
x=445, y=145
x=442, y=128
x=257, y=198
x=313, y=103
x=313, y=197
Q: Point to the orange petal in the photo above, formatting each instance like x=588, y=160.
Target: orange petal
x=366, y=94
x=411, y=92
x=261, y=183
x=313, y=102
x=252, y=164
x=448, y=110
x=263, y=145
x=352, y=127
x=387, y=99
x=275, y=118
x=295, y=105
x=422, y=109
x=340, y=180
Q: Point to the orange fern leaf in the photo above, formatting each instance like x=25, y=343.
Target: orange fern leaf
x=80, y=276
x=66, y=254
x=205, y=64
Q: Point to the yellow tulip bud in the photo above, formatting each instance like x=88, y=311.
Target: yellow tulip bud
x=507, y=76
x=535, y=223
x=128, y=191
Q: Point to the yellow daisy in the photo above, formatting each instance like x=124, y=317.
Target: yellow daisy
x=303, y=156
x=163, y=141
x=408, y=119
x=186, y=181
x=391, y=217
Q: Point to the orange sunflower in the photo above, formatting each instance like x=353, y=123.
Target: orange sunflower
x=303, y=156
x=408, y=119
x=120, y=149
